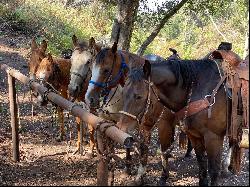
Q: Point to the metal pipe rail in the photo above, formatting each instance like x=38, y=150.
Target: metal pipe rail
x=102, y=126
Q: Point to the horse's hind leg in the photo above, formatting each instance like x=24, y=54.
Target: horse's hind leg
x=213, y=145
x=92, y=139
x=61, y=123
x=189, y=149
x=199, y=148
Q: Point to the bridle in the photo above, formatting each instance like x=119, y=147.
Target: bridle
x=141, y=116
x=108, y=84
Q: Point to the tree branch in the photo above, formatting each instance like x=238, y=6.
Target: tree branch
x=157, y=29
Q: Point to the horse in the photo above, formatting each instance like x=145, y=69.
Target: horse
x=110, y=70
x=54, y=74
x=183, y=87
x=80, y=74
x=36, y=56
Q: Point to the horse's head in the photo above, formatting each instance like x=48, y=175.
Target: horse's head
x=47, y=72
x=135, y=97
x=37, y=54
x=81, y=61
x=107, y=72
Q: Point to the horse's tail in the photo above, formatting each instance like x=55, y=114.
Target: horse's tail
x=182, y=140
x=237, y=150
x=235, y=164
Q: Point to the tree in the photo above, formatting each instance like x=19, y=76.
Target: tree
x=161, y=24
x=124, y=22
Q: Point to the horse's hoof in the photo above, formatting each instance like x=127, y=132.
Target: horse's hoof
x=60, y=139
x=137, y=182
x=89, y=155
x=128, y=170
x=162, y=181
x=188, y=155
x=85, y=143
x=225, y=173
x=203, y=182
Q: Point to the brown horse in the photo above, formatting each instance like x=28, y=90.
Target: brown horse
x=54, y=73
x=185, y=87
x=37, y=54
x=109, y=70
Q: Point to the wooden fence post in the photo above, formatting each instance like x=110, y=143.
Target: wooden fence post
x=14, y=121
x=102, y=164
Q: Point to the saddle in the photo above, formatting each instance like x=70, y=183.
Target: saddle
x=237, y=73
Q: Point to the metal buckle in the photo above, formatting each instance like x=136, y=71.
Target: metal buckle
x=209, y=100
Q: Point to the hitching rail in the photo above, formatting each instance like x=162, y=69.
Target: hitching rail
x=110, y=131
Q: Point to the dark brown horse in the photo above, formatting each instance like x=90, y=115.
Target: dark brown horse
x=110, y=70
x=184, y=86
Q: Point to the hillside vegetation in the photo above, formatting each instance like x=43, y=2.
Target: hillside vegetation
x=193, y=35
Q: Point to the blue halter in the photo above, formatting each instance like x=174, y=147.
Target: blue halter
x=115, y=79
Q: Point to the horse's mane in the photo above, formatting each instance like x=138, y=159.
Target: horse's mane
x=189, y=70
x=136, y=75
x=101, y=54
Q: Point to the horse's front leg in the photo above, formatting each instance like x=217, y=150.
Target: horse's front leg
x=128, y=161
x=199, y=148
x=166, y=132
x=80, y=141
x=143, y=148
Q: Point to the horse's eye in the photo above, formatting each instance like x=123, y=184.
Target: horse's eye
x=88, y=62
x=137, y=97
x=105, y=71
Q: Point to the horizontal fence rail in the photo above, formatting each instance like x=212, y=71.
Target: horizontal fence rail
x=102, y=126
x=112, y=131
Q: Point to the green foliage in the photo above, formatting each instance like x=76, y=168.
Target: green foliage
x=190, y=31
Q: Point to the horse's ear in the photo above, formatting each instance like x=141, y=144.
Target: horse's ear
x=114, y=47
x=50, y=57
x=216, y=55
x=147, y=69
x=43, y=46
x=74, y=40
x=91, y=42
x=33, y=44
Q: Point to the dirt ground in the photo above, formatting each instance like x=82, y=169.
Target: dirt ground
x=44, y=161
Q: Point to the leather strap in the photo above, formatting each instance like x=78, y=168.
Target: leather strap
x=193, y=108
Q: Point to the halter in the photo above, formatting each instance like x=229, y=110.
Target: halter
x=143, y=112
x=108, y=84
x=79, y=75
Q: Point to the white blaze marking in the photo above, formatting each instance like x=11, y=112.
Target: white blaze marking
x=94, y=77
x=78, y=60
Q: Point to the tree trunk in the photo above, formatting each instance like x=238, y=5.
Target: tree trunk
x=124, y=23
x=157, y=29
x=246, y=49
